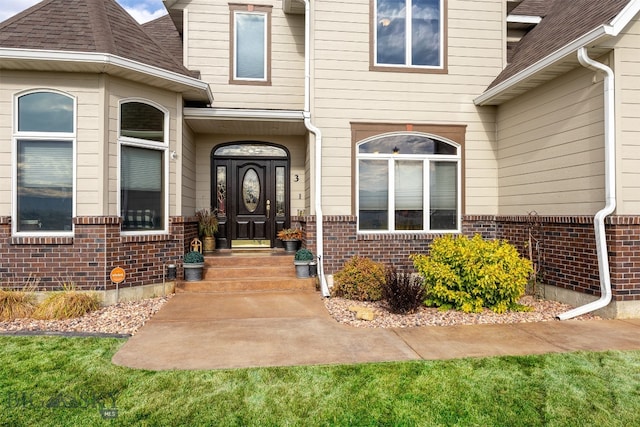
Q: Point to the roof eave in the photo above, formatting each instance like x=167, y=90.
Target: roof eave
x=107, y=61
x=494, y=95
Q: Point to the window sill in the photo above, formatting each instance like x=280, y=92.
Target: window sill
x=41, y=240
x=135, y=238
x=402, y=235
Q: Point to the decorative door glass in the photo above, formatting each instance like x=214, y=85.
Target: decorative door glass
x=251, y=190
x=280, y=191
x=221, y=190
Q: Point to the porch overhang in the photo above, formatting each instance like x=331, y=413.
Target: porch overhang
x=231, y=121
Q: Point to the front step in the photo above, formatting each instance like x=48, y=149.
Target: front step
x=249, y=270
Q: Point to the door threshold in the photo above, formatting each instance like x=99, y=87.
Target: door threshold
x=250, y=244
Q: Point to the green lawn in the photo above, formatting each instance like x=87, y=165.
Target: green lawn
x=53, y=381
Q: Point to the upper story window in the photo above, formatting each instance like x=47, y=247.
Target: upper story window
x=250, y=44
x=143, y=166
x=408, y=181
x=44, y=162
x=409, y=34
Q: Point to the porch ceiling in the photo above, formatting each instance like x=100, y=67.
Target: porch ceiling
x=245, y=122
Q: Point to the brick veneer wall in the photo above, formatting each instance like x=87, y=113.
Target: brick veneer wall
x=87, y=258
x=562, y=247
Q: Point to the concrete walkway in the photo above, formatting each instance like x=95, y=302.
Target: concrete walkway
x=239, y=330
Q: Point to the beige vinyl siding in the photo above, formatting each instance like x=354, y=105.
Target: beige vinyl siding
x=551, y=148
x=205, y=144
x=208, y=49
x=88, y=92
x=6, y=131
x=345, y=91
x=628, y=119
x=121, y=89
x=187, y=161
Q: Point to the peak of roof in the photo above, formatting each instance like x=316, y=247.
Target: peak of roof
x=564, y=22
x=97, y=26
x=166, y=34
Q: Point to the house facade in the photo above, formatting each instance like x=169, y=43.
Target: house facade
x=373, y=125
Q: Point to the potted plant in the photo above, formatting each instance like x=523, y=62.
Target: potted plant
x=301, y=260
x=207, y=227
x=193, y=263
x=290, y=238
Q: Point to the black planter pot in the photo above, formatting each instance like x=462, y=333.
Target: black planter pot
x=291, y=245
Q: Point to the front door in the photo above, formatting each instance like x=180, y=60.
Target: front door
x=251, y=195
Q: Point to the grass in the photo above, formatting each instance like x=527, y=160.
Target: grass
x=54, y=381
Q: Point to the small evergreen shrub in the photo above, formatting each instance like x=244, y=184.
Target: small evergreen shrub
x=193, y=257
x=303, y=255
x=67, y=304
x=403, y=292
x=469, y=274
x=360, y=279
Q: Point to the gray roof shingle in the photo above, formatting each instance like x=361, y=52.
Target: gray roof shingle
x=565, y=22
x=100, y=26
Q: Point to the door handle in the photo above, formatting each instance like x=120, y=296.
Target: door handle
x=268, y=207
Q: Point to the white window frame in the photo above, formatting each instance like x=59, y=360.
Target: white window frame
x=408, y=40
x=151, y=145
x=42, y=136
x=265, y=64
x=426, y=159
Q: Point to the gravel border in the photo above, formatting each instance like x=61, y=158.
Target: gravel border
x=124, y=319
x=542, y=311
x=119, y=320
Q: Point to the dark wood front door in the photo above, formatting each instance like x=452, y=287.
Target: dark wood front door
x=253, y=195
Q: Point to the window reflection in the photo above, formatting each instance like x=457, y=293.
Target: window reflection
x=45, y=112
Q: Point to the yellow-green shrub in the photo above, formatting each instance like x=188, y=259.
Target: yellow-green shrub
x=360, y=279
x=469, y=274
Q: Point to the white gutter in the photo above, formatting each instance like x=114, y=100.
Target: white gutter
x=614, y=28
x=105, y=60
x=610, y=188
x=324, y=287
x=523, y=19
x=244, y=114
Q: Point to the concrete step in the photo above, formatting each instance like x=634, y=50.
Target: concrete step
x=248, y=270
x=238, y=285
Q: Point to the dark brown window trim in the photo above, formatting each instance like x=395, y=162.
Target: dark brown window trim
x=361, y=131
x=233, y=7
x=444, y=69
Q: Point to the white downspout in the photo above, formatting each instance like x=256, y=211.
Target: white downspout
x=610, y=188
x=324, y=287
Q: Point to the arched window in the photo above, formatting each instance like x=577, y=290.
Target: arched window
x=143, y=165
x=408, y=181
x=45, y=144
